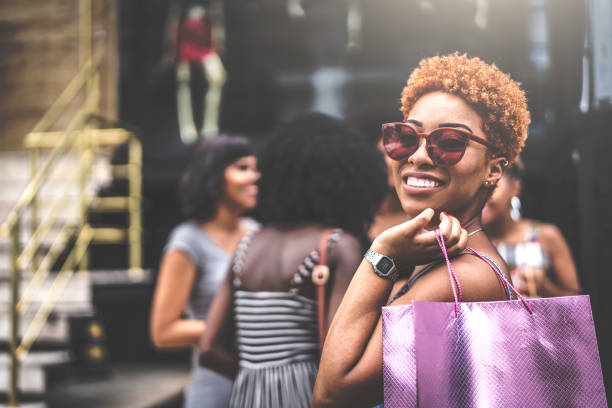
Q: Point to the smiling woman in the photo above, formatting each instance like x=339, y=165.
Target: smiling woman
x=217, y=188
x=465, y=121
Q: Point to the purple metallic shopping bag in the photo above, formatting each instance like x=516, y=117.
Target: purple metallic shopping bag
x=399, y=357
x=496, y=354
x=527, y=353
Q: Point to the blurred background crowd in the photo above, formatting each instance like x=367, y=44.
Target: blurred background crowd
x=167, y=73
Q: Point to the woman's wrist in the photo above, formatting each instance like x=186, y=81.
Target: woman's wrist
x=379, y=246
x=403, y=268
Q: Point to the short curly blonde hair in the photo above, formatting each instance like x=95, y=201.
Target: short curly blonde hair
x=499, y=100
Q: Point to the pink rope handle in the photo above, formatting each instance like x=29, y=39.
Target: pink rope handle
x=451, y=271
x=501, y=277
x=495, y=269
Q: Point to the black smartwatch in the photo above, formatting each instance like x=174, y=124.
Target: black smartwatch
x=383, y=265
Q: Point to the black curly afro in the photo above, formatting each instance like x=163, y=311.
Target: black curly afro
x=316, y=168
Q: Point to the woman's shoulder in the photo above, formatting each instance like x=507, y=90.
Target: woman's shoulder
x=477, y=280
x=186, y=231
x=189, y=238
x=544, y=229
x=549, y=236
x=306, y=238
x=347, y=247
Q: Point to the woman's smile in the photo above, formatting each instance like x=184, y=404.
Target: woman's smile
x=420, y=183
x=251, y=190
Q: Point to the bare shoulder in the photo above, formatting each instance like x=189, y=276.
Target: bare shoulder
x=478, y=282
x=348, y=243
x=347, y=250
x=549, y=233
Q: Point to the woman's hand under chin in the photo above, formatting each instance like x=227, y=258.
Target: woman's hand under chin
x=410, y=243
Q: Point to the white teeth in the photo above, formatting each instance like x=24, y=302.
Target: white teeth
x=420, y=182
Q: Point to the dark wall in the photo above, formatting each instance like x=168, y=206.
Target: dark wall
x=595, y=205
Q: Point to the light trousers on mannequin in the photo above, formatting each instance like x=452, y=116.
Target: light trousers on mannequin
x=215, y=76
x=187, y=129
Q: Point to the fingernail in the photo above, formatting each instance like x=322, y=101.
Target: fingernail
x=462, y=227
x=445, y=213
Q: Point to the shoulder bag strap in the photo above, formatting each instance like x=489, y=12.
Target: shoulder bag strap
x=240, y=255
x=320, y=276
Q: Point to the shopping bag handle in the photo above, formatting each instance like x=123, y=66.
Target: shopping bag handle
x=457, y=293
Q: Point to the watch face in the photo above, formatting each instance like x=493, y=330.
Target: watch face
x=384, y=265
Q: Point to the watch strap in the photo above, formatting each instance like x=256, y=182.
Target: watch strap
x=374, y=258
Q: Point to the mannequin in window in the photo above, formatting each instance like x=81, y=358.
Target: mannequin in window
x=194, y=43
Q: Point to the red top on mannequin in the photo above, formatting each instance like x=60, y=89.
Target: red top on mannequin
x=195, y=36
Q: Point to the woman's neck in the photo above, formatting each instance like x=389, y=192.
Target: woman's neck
x=391, y=204
x=473, y=224
x=501, y=227
x=226, y=219
x=470, y=222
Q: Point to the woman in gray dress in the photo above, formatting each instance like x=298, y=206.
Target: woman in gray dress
x=263, y=326
x=217, y=188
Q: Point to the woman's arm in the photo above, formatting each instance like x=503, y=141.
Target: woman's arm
x=350, y=372
x=562, y=262
x=216, y=351
x=174, y=283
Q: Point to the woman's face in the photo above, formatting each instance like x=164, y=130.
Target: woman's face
x=458, y=189
x=240, y=183
x=498, y=205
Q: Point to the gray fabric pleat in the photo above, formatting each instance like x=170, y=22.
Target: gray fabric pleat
x=287, y=385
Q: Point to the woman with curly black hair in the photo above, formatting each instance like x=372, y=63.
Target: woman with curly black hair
x=315, y=171
x=217, y=188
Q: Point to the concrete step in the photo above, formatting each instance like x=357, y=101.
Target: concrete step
x=76, y=298
x=51, y=348
x=15, y=165
x=56, y=330
x=44, y=246
x=15, y=175
x=40, y=404
x=24, y=238
x=131, y=385
x=32, y=371
x=76, y=295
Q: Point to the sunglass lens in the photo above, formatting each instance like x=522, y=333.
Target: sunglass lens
x=446, y=146
x=399, y=141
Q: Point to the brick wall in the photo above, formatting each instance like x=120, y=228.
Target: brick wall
x=39, y=56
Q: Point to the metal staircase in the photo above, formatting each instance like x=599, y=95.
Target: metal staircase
x=45, y=236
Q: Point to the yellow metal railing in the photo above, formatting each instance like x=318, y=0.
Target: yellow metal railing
x=80, y=138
